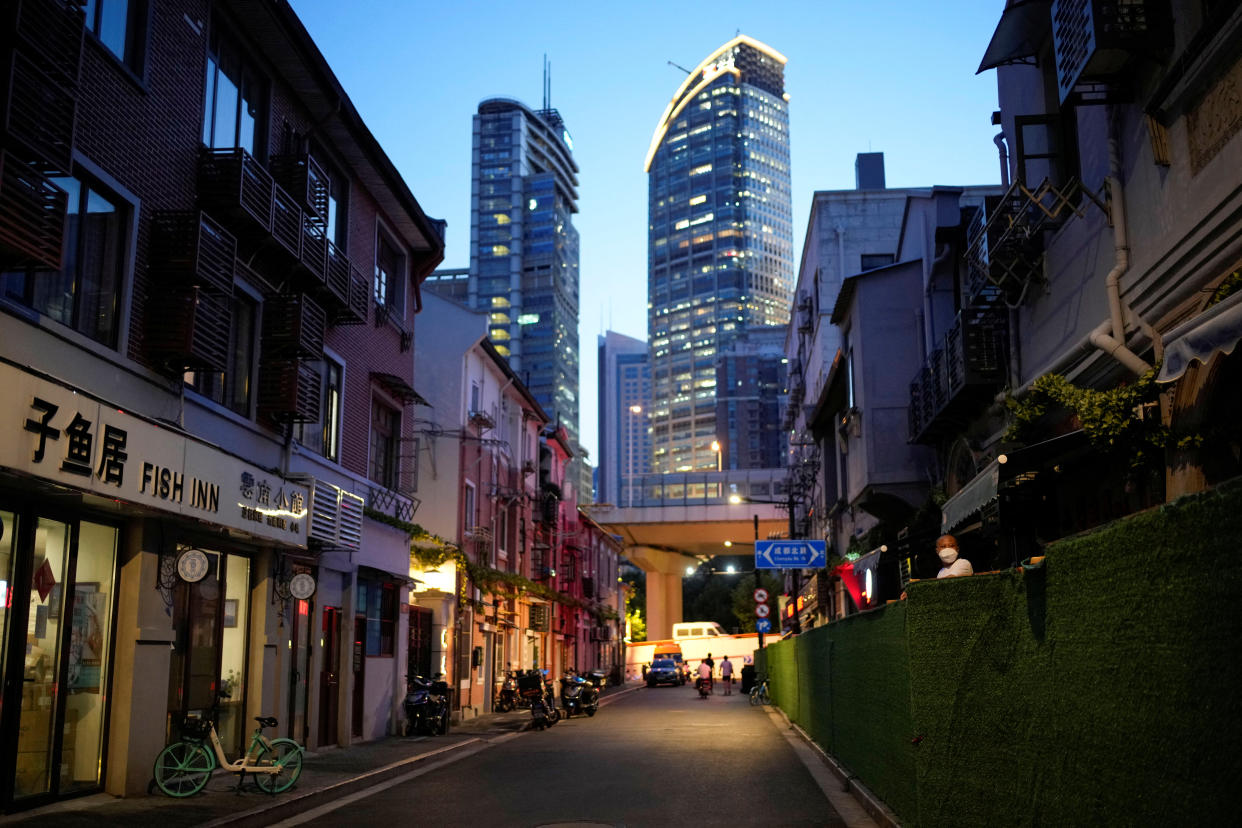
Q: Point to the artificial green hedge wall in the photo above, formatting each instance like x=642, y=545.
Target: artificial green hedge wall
x=1101, y=689
x=848, y=686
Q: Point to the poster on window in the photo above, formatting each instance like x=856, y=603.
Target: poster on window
x=86, y=640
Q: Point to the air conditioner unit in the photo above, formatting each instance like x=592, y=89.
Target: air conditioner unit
x=1095, y=40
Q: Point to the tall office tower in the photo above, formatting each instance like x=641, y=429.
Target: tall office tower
x=720, y=237
x=624, y=440
x=751, y=397
x=524, y=249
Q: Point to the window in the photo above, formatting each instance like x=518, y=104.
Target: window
x=85, y=293
x=870, y=261
x=233, y=389
x=324, y=437
x=385, y=434
x=377, y=602
x=119, y=25
x=468, y=514
x=337, y=219
x=502, y=533
x=233, y=104
x=389, y=276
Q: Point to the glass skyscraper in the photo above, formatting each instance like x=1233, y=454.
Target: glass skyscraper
x=720, y=237
x=524, y=249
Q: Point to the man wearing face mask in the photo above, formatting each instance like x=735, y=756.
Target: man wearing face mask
x=954, y=565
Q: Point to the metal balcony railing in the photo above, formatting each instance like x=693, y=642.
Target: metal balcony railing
x=965, y=371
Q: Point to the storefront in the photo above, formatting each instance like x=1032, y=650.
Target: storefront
x=91, y=497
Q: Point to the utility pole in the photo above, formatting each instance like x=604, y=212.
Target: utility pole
x=758, y=583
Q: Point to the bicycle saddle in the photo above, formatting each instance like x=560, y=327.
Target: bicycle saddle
x=266, y=721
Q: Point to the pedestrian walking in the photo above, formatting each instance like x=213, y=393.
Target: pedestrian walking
x=726, y=675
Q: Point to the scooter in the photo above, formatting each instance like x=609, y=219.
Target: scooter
x=427, y=706
x=704, y=686
x=507, y=698
x=532, y=690
x=578, y=695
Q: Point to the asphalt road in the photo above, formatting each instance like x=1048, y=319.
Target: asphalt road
x=658, y=756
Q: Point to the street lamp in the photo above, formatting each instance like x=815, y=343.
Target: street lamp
x=635, y=410
x=716, y=450
x=788, y=503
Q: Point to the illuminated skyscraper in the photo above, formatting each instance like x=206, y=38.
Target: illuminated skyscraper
x=720, y=237
x=524, y=249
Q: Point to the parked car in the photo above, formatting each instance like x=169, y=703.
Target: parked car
x=664, y=671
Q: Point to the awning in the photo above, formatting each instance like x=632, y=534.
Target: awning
x=399, y=388
x=1023, y=27
x=973, y=496
x=1219, y=328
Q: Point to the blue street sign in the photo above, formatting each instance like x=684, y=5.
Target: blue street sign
x=791, y=554
x=763, y=625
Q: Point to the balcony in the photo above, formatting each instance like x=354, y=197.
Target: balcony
x=1005, y=247
x=189, y=249
x=293, y=327
x=305, y=180
x=234, y=185
x=959, y=377
x=337, y=276
x=355, y=312
x=50, y=32
x=39, y=113
x=313, y=260
x=32, y=216
x=286, y=226
x=187, y=330
x=289, y=391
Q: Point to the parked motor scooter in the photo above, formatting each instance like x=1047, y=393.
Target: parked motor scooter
x=507, y=697
x=578, y=695
x=531, y=689
x=427, y=705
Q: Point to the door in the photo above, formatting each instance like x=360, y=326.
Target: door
x=359, y=667
x=299, y=671
x=329, y=677
x=418, y=653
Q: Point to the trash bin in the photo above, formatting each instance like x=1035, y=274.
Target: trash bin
x=748, y=677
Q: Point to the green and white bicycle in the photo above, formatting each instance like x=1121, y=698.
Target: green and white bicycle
x=183, y=768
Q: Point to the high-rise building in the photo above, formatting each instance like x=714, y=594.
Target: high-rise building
x=751, y=399
x=720, y=237
x=524, y=249
x=624, y=394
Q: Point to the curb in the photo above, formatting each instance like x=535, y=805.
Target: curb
x=872, y=804
x=273, y=812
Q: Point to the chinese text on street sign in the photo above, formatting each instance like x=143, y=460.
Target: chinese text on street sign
x=791, y=554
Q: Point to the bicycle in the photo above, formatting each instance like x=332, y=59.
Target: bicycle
x=183, y=768
x=759, y=693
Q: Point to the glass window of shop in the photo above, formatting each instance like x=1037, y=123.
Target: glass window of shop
x=57, y=583
x=208, y=663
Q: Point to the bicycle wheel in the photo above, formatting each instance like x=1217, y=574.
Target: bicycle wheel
x=183, y=768
x=288, y=755
x=763, y=694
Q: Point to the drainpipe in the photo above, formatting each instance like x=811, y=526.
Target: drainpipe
x=999, y=140
x=929, y=318
x=1114, y=343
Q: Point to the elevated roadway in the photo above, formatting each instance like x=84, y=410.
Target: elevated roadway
x=670, y=522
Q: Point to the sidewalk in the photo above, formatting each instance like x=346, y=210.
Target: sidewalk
x=327, y=775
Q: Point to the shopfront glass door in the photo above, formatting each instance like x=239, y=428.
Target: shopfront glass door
x=86, y=682
x=35, y=740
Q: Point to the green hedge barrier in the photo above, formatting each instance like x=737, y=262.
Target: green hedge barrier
x=1097, y=690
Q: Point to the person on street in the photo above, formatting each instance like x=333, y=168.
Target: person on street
x=954, y=565
x=726, y=675
x=705, y=674
x=711, y=665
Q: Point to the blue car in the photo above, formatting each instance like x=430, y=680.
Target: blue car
x=663, y=671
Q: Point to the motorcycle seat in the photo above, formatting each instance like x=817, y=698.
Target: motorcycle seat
x=266, y=721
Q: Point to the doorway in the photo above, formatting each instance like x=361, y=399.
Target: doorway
x=359, y=668
x=56, y=614
x=418, y=655
x=329, y=677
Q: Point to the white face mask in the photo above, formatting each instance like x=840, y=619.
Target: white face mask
x=947, y=555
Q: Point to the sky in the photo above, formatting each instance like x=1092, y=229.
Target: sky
x=891, y=76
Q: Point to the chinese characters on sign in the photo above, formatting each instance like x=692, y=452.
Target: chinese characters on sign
x=76, y=441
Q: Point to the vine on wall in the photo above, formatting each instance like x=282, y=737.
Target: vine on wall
x=1125, y=419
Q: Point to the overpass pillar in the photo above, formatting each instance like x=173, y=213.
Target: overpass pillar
x=663, y=604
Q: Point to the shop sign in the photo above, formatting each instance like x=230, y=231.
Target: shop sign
x=302, y=586
x=55, y=433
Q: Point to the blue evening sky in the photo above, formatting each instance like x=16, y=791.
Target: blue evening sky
x=891, y=76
